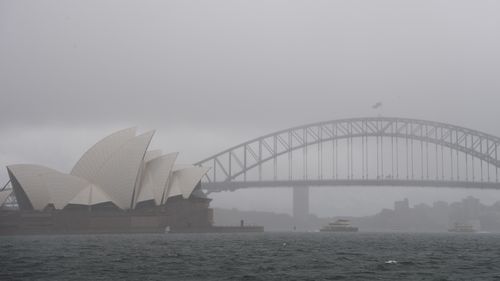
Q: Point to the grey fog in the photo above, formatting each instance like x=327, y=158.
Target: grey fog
x=208, y=75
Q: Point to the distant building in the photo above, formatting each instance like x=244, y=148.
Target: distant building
x=472, y=207
x=403, y=205
x=440, y=205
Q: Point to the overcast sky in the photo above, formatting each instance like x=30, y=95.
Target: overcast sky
x=211, y=74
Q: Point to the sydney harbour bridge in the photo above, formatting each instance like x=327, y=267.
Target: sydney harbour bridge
x=374, y=151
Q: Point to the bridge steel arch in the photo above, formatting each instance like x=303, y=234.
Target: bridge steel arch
x=460, y=157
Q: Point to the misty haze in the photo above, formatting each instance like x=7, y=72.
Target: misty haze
x=249, y=140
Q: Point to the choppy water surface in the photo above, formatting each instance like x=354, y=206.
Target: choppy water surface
x=265, y=256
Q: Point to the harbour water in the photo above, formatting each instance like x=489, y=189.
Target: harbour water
x=259, y=256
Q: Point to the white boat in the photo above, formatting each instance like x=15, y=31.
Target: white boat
x=340, y=225
x=462, y=227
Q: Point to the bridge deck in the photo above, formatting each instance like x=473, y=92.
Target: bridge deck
x=231, y=186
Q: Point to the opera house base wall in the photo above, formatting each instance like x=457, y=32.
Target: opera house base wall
x=179, y=215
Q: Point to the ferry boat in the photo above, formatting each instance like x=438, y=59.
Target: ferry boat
x=340, y=225
x=462, y=227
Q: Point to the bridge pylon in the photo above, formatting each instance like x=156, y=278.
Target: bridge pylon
x=300, y=205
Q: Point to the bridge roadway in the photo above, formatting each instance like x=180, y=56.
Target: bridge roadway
x=234, y=185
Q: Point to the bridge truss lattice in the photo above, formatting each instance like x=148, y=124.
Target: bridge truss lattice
x=360, y=151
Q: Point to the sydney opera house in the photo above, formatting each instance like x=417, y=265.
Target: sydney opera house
x=118, y=185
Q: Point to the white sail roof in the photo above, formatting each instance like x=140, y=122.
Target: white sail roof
x=150, y=155
x=89, y=165
x=90, y=195
x=145, y=194
x=155, y=178
x=117, y=169
x=184, y=180
x=44, y=186
x=119, y=174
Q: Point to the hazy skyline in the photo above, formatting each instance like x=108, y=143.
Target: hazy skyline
x=209, y=76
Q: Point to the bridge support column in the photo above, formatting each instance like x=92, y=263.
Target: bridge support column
x=300, y=205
